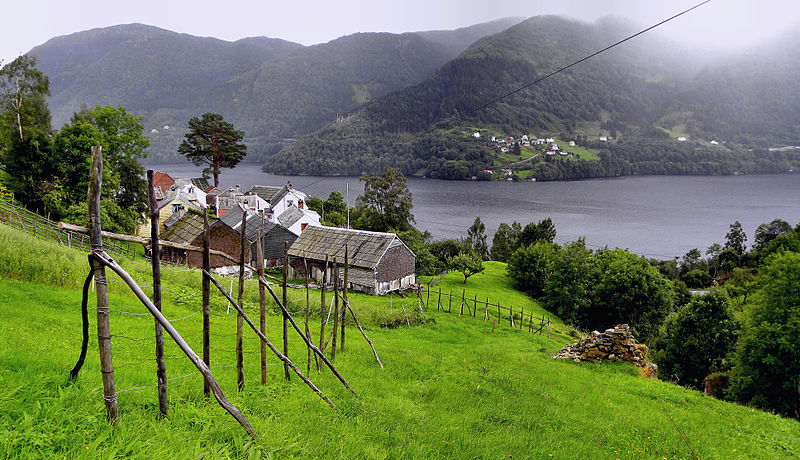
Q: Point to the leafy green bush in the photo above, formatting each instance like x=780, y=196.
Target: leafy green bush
x=696, y=339
x=766, y=371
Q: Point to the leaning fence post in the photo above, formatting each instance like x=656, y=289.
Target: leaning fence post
x=322, y=311
x=285, y=317
x=475, y=309
x=206, y=299
x=461, y=312
x=308, y=313
x=335, y=308
x=239, y=318
x=262, y=305
x=103, y=322
x=161, y=369
x=344, y=294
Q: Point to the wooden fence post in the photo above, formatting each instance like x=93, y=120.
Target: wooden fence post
x=344, y=294
x=322, y=309
x=335, y=308
x=103, y=322
x=439, y=304
x=161, y=369
x=521, y=317
x=262, y=301
x=239, y=318
x=475, y=304
x=450, y=302
x=206, y=300
x=427, y=302
x=285, y=317
x=511, y=316
x=308, y=314
x=462, y=304
x=486, y=312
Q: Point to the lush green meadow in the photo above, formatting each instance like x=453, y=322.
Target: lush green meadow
x=453, y=387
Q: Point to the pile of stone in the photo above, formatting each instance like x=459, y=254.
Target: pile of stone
x=615, y=344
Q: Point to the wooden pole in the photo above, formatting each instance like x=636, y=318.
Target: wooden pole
x=101, y=256
x=511, y=316
x=305, y=339
x=161, y=369
x=308, y=313
x=450, y=302
x=475, y=305
x=521, y=317
x=272, y=347
x=262, y=302
x=352, y=313
x=323, y=307
x=286, y=373
x=206, y=300
x=335, y=308
x=461, y=312
x=486, y=312
x=428, y=301
x=103, y=322
x=239, y=318
x=439, y=305
x=344, y=294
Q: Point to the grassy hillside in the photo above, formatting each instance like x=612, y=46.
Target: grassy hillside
x=452, y=388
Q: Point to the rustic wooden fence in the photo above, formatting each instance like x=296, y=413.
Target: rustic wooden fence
x=473, y=306
x=42, y=227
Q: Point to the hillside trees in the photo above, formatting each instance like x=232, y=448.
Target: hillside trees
x=22, y=95
x=766, y=371
x=696, y=339
x=214, y=142
x=476, y=238
x=505, y=241
x=386, y=202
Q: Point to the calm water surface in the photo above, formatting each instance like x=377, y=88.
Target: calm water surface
x=656, y=216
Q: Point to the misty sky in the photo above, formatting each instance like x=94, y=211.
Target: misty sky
x=721, y=24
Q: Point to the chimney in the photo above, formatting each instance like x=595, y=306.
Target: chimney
x=238, y=188
x=289, y=185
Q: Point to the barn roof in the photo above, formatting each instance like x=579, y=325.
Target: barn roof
x=365, y=248
x=185, y=230
x=233, y=219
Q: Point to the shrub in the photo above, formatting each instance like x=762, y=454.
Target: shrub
x=696, y=339
x=766, y=371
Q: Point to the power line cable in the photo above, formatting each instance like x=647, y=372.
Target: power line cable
x=545, y=77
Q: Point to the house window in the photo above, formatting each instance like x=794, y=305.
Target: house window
x=289, y=203
x=176, y=207
x=303, y=227
x=300, y=204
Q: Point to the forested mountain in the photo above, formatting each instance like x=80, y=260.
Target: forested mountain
x=269, y=88
x=150, y=71
x=458, y=40
x=289, y=97
x=640, y=92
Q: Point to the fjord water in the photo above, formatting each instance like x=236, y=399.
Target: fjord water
x=655, y=216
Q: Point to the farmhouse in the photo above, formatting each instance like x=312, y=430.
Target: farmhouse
x=187, y=227
x=274, y=239
x=379, y=262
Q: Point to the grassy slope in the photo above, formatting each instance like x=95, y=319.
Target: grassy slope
x=433, y=400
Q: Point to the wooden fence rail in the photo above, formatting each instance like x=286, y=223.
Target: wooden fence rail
x=43, y=228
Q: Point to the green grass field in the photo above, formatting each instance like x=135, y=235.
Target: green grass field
x=452, y=387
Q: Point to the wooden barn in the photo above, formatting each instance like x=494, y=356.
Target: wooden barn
x=379, y=262
x=273, y=240
x=187, y=228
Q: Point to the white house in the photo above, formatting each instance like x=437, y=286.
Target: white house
x=296, y=219
x=550, y=139
x=603, y=138
x=476, y=134
x=714, y=143
x=682, y=139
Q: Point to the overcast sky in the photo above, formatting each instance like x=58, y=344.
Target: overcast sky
x=730, y=24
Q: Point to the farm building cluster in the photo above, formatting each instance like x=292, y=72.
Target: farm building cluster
x=278, y=215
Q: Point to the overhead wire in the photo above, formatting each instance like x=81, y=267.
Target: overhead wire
x=545, y=77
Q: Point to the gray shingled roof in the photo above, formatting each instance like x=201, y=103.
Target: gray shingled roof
x=365, y=248
x=265, y=192
x=233, y=219
x=185, y=230
x=290, y=216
